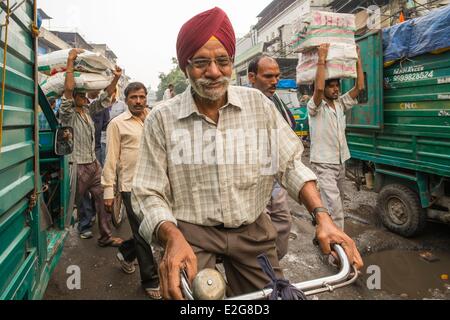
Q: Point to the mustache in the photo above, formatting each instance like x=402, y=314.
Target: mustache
x=208, y=82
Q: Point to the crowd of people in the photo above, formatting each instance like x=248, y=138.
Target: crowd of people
x=200, y=211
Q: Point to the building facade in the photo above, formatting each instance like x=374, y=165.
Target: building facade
x=275, y=28
x=272, y=35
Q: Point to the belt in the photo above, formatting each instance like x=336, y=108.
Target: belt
x=221, y=227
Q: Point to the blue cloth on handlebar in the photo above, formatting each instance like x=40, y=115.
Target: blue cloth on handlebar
x=282, y=288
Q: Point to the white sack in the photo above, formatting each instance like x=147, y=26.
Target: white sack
x=87, y=61
x=54, y=85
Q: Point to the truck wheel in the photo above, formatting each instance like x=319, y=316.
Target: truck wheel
x=401, y=211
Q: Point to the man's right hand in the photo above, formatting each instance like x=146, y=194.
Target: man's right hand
x=73, y=54
x=109, y=204
x=69, y=82
x=323, y=52
x=179, y=255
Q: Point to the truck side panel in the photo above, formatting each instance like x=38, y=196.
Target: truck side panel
x=416, y=117
x=18, y=226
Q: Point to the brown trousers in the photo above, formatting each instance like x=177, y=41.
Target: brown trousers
x=89, y=180
x=239, y=249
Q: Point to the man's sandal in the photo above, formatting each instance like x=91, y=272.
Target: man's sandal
x=112, y=242
x=153, y=293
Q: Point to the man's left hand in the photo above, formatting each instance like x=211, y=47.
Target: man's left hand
x=328, y=233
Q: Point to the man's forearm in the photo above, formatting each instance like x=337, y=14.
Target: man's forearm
x=165, y=231
x=112, y=87
x=109, y=178
x=311, y=199
x=69, y=84
x=320, y=82
x=361, y=83
x=310, y=196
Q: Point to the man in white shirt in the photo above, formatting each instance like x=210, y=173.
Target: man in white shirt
x=118, y=107
x=329, y=150
x=169, y=93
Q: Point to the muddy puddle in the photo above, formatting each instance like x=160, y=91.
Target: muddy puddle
x=411, y=274
x=354, y=228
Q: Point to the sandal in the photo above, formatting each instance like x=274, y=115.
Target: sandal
x=112, y=242
x=153, y=293
x=127, y=267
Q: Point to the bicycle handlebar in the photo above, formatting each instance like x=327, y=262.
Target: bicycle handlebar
x=312, y=287
x=327, y=284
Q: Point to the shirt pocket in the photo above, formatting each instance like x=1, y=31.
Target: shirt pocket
x=246, y=176
x=343, y=121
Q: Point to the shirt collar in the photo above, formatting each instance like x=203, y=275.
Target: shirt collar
x=337, y=105
x=188, y=106
x=129, y=115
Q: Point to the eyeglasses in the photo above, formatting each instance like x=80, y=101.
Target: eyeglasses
x=204, y=63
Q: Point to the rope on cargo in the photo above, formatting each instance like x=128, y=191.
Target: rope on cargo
x=5, y=52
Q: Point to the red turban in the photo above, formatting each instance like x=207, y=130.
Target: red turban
x=200, y=29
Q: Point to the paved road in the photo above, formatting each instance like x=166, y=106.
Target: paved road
x=101, y=276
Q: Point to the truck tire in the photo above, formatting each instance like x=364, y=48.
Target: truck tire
x=401, y=211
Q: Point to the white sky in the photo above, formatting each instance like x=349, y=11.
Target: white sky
x=142, y=33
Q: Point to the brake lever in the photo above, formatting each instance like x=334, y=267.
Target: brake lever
x=317, y=244
x=186, y=288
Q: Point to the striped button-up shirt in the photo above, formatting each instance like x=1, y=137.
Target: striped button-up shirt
x=123, y=142
x=194, y=170
x=327, y=130
x=83, y=127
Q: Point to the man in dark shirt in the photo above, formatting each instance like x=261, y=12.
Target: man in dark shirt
x=264, y=75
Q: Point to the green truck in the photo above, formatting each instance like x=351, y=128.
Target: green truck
x=400, y=135
x=35, y=198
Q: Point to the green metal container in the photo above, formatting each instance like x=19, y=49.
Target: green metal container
x=32, y=233
x=401, y=133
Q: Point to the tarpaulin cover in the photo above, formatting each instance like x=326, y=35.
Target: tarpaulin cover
x=417, y=36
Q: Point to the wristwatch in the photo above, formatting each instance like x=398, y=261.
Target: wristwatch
x=316, y=211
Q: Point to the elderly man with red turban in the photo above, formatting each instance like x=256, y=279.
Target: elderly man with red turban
x=197, y=197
